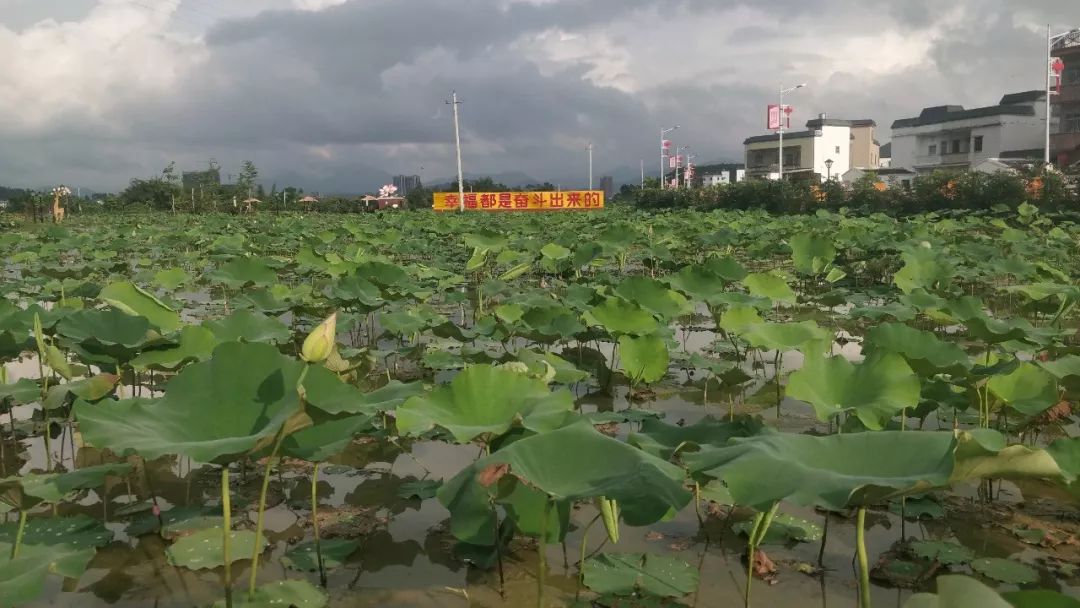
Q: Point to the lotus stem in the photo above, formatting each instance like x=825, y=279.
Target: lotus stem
x=226, y=527
x=19, y=534
x=762, y=521
x=864, y=566
x=498, y=551
x=824, y=537
x=584, y=546
x=257, y=551
x=541, y=563
x=315, y=523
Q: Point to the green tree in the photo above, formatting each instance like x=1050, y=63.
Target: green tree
x=245, y=182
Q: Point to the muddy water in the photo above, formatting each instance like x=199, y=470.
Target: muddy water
x=406, y=558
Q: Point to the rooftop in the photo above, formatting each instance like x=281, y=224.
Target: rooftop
x=817, y=123
x=942, y=114
x=757, y=139
x=1024, y=97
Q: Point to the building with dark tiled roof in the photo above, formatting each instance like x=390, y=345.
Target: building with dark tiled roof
x=956, y=138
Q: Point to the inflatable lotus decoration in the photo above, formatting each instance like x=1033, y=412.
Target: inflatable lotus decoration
x=387, y=191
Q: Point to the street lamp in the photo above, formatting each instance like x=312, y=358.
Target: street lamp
x=590, y=149
x=1050, y=42
x=688, y=174
x=828, y=167
x=782, y=116
x=663, y=133
x=678, y=151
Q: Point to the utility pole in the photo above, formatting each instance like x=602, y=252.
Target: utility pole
x=1050, y=73
x=783, y=116
x=590, y=149
x=642, y=174
x=664, y=132
x=678, y=163
x=284, y=202
x=457, y=140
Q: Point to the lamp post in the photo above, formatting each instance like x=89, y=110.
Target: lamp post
x=663, y=133
x=1050, y=42
x=782, y=117
x=828, y=168
x=688, y=175
x=590, y=149
x=678, y=152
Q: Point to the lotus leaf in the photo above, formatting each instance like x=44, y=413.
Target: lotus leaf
x=768, y=285
x=784, y=336
x=664, y=440
x=811, y=253
x=574, y=463
x=923, y=350
x=334, y=553
x=134, y=300
x=876, y=389
x=213, y=411
x=1027, y=389
x=204, y=549
x=26, y=491
x=239, y=271
x=195, y=343
x=107, y=327
x=1005, y=570
x=644, y=359
x=946, y=553
x=652, y=295
x=23, y=579
x=620, y=317
x=247, y=326
x=485, y=400
x=1040, y=598
x=632, y=573
x=955, y=591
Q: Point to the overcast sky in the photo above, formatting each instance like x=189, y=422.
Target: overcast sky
x=335, y=94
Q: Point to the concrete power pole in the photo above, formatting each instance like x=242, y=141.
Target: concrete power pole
x=590, y=149
x=457, y=140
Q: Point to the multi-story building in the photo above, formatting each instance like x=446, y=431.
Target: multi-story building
x=954, y=138
x=407, y=183
x=829, y=147
x=1065, y=107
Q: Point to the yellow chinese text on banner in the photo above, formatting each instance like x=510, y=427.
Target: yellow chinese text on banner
x=576, y=200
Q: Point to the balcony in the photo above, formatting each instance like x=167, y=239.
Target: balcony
x=945, y=161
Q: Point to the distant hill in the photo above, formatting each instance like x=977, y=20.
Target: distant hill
x=512, y=179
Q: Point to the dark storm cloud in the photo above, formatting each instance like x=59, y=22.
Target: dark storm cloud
x=358, y=88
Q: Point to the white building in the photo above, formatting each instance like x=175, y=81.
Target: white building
x=735, y=173
x=827, y=148
x=885, y=156
x=951, y=137
x=892, y=178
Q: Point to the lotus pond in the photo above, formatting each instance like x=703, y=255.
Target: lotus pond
x=610, y=409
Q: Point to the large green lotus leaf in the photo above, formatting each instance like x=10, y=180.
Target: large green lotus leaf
x=334, y=552
x=833, y=472
x=194, y=343
x=923, y=268
x=1028, y=389
x=108, y=327
x=525, y=506
x=204, y=549
x=171, y=278
x=1039, y=598
x=242, y=271
x=876, y=389
x=382, y=273
x=324, y=390
x=923, y=350
x=555, y=252
x=247, y=326
x=727, y=268
x=357, y=291
x=644, y=359
x=134, y=300
x=20, y=392
x=811, y=253
x=565, y=372
x=574, y=463
x=985, y=454
x=956, y=591
x=1063, y=367
x=784, y=336
x=77, y=532
x=1005, y=570
x=485, y=400
x=22, y=579
x=212, y=411
x=768, y=285
x=290, y=593
x=389, y=397
x=618, y=316
x=653, y=295
x=551, y=323
x=698, y=283
x=93, y=388
x=664, y=440
x=627, y=574
x=738, y=319
x=25, y=491
x=324, y=439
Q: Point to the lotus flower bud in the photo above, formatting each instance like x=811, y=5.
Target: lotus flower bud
x=320, y=342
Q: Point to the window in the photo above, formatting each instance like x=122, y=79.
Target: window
x=837, y=149
x=933, y=149
x=978, y=143
x=1071, y=75
x=956, y=146
x=1070, y=123
x=944, y=146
